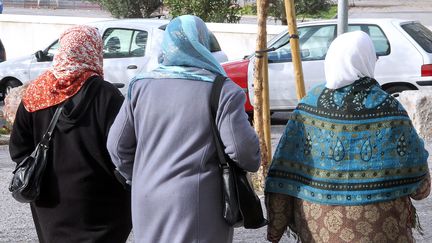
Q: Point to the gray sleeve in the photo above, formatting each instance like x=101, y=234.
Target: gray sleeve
x=238, y=136
x=121, y=142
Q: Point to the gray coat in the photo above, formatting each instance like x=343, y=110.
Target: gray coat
x=161, y=140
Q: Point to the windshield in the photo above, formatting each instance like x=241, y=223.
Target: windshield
x=314, y=42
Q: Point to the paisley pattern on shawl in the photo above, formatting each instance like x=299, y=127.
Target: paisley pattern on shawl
x=185, y=53
x=350, y=146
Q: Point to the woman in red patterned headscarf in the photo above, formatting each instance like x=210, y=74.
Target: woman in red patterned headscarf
x=80, y=200
x=79, y=58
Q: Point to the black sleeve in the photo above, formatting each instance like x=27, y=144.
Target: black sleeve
x=21, y=142
x=109, y=106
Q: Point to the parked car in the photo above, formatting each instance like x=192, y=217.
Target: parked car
x=404, y=51
x=131, y=46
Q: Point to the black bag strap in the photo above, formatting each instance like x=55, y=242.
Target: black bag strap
x=47, y=135
x=46, y=138
x=214, y=104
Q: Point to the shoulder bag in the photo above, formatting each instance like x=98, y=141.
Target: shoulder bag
x=27, y=176
x=241, y=205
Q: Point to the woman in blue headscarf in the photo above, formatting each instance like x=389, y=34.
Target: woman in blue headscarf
x=162, y=143
x=349, y=160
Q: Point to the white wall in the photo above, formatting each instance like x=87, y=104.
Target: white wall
x=25, y=34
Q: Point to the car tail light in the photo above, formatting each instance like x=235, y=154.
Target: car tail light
x=426, y=70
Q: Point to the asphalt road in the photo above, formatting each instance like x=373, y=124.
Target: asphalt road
x=413, y=9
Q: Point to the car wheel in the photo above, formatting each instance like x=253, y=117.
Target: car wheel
x=397, y=89
x=6, y=85
x=250, y=117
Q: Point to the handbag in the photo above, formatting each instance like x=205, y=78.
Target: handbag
x=241, y=205
x=27, y=176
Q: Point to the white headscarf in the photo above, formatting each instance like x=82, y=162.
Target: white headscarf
x=350, y=56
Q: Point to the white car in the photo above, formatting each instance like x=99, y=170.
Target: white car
x=403, y=48
x=131, y=46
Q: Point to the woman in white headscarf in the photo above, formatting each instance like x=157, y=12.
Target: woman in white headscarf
x=349, y=161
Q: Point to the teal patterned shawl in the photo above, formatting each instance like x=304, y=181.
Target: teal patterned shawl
x=350, y=146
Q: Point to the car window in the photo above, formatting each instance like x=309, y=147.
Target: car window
x=380, y=41
x=119, y=43
x=314, y=43
x=2, y=52
x=214, y=44
x=421, y=34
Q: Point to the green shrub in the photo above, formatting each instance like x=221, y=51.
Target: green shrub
x=321, y=9
x=219, y=11
x=249, y=10
x=130, y=8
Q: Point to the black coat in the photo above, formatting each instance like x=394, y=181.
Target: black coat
x=80, y=201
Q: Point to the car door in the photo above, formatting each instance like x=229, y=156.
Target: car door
x=125, y=55
x=38, y=66
x=314, y=42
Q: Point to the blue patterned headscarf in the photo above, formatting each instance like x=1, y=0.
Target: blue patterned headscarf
x=186, y=52
x=350, y=146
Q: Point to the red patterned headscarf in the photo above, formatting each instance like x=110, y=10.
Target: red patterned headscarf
x=79, y=57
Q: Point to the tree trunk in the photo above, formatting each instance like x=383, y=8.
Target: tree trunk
x=260, y=109
x=283, y=15
x=295, y=49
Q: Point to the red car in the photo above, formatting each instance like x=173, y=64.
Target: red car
x=237, y=71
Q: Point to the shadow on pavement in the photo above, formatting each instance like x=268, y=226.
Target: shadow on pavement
x=280, y=118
